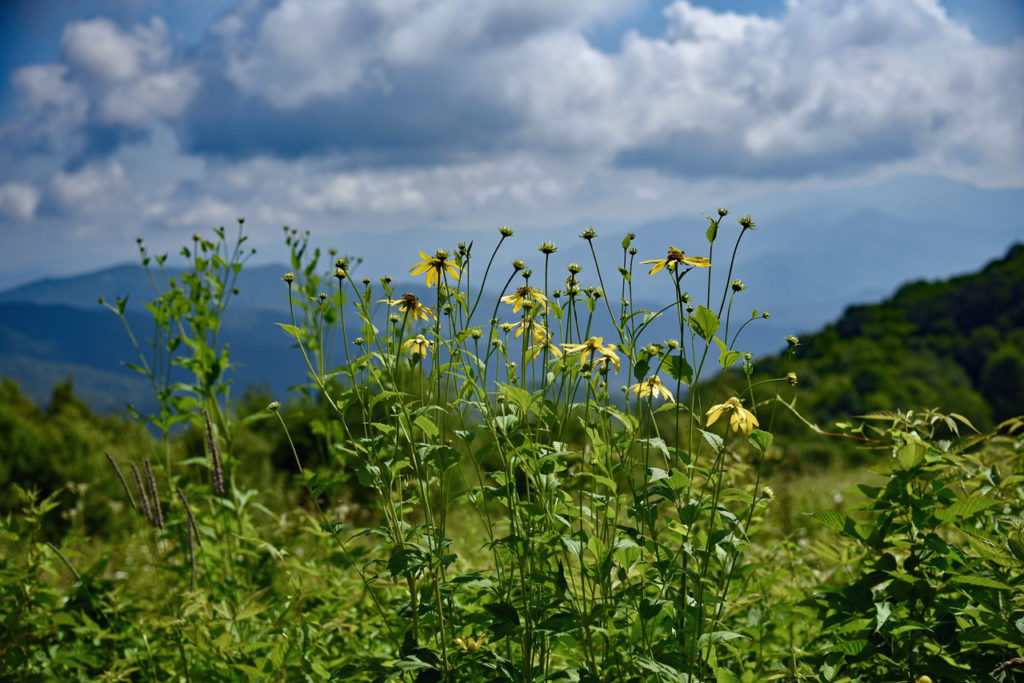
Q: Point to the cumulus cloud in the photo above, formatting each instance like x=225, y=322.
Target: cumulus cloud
x=828, y=88
x=111, y=87
x=19, y=200
x=301, y=50
x=88, y=187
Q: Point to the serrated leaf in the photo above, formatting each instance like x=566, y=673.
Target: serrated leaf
x=851, y=647
x=704, y=323
x=292, y=331
x=680, y=370
x=833, y=519
x=966, y=507
x=982, y=581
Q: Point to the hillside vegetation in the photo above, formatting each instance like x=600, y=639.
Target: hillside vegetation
x=469, y=497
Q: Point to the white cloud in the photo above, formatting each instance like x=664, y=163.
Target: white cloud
x=110, y=77
x=19, y=200
x=302, y=50
x=100, y=49
x=88, y=187
x=207, y=212
x=854, y=83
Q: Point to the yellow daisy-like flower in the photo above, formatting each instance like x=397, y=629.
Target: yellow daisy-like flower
x=418, y=346
x=652, y=387
x=674, y=258
x=435, y=266
x=540, y=335
x=524, y=295
x=537, y=331
x=595, y=345
x=410, y=305
x=740, y=419
x=550, y=346
x=471, y=644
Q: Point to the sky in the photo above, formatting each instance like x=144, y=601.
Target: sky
x=402, y=118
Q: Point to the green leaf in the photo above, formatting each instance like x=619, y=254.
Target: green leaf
x=725, y=676
x=912, y=454
x=967, y=507
x=760, y=439
x=882, y=612
x=680, y=370
x=704, y=323
x=293, y=331
x=712, y=232
x=714, y=440
x=427, y=425
x=851, y=647
x=833, y=519
x=640, y=369
x=982, y=581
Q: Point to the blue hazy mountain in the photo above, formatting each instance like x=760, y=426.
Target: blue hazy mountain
x=812, y=255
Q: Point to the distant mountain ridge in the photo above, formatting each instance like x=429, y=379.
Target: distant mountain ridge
x=810, y=258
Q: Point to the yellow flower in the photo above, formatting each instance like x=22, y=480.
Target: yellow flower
x=410, y=304
x=435, y=266
x=592, y=346
x=549, y=345
x=471, y=644
x=740, y=419
x=418, y=346
x=674, y=258
x=524, y=295
x=652, y=387
x=537, y=331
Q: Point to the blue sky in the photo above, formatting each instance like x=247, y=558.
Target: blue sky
x=121, y=118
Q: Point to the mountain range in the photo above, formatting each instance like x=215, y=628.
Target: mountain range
x=811, y=257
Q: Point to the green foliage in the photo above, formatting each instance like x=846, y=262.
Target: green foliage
x=459, y=498
x=938, y=586
x=60, y=452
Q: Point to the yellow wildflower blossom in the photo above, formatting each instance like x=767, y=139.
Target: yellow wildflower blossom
x=652, y=387
x=471, y=644
x=525, y=295
x=674, y=258
x=410, y=304
x=595, y=345
x=418, y=346
x=740, y=419
x=435, y=266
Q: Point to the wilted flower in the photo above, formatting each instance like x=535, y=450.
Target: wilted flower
x=411, y=306
x=652, y=387
x=674, y=258
x=740, y=419
x=435, y=267
x=595, y=345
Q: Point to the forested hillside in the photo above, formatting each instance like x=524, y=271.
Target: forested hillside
x=957, y=345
